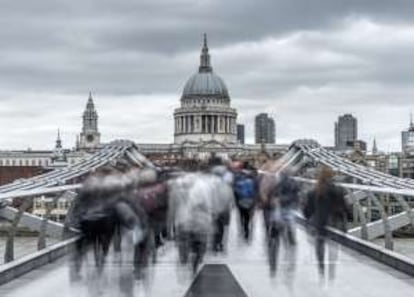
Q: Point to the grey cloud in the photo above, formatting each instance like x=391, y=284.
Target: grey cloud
x=86, y=43
x=300, y=59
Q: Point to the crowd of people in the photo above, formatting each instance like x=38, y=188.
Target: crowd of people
x=144, y=208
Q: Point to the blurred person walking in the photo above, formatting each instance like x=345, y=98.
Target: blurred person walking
x=101, y=208
x=245, y=193
x=279, y=199
x=151, y=194
x=190, y=216
x=326, y=206
x=224, y=198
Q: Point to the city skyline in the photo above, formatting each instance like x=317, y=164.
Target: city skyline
x=306, y=71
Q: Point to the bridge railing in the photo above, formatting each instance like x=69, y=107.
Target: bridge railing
x=366, y=200
x=49, y=189
x=19, y=217
x=382, y=203
x=377, y=211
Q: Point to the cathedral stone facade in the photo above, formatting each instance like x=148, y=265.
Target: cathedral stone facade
x=205, y=113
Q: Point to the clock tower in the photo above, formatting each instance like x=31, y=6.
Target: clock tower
x=90, y=137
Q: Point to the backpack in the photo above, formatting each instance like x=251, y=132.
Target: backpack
x=245, y=192
x=96, y=219
x=287, y=192
x=152, y=197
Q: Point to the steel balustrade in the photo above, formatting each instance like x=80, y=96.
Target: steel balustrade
x=374, y=185
x=55, y=183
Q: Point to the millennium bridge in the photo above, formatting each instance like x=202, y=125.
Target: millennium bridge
x=381, y=205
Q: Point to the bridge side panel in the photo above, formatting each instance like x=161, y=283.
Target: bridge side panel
x=33, y=222
x=17, y=268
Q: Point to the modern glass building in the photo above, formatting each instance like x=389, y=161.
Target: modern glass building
x=265, y=130
x=346, y=131
x=240, y=133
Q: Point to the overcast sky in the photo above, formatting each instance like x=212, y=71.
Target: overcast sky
x=305, y=62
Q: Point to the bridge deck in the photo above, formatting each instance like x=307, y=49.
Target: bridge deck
x=356, y=275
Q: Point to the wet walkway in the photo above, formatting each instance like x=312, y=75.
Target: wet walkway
x=245, y=269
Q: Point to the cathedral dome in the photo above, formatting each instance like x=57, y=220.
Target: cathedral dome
x=205, y=82
x=205, y=114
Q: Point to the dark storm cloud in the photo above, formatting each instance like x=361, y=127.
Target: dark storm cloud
x=123, y=46
x=319, y=57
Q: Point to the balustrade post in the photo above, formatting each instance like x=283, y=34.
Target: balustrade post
x=356, y=217
x=406, y=207
x=389, y=244
x=67, y=224
x=41, y=241
x=9, y=251
x=361, y=215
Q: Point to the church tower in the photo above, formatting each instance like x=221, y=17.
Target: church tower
x=374, y=147
x=59, y=156
x=89, y=137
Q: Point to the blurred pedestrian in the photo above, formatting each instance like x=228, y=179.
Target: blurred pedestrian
x=279, y=198
x=325, y=206
x=151, y=194
x=224, y=198
x=190, y=216
x=101, y=208
x=245, y=193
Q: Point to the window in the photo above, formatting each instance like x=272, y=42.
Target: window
x=393, y=162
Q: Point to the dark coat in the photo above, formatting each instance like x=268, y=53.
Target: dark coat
x=327, y=208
